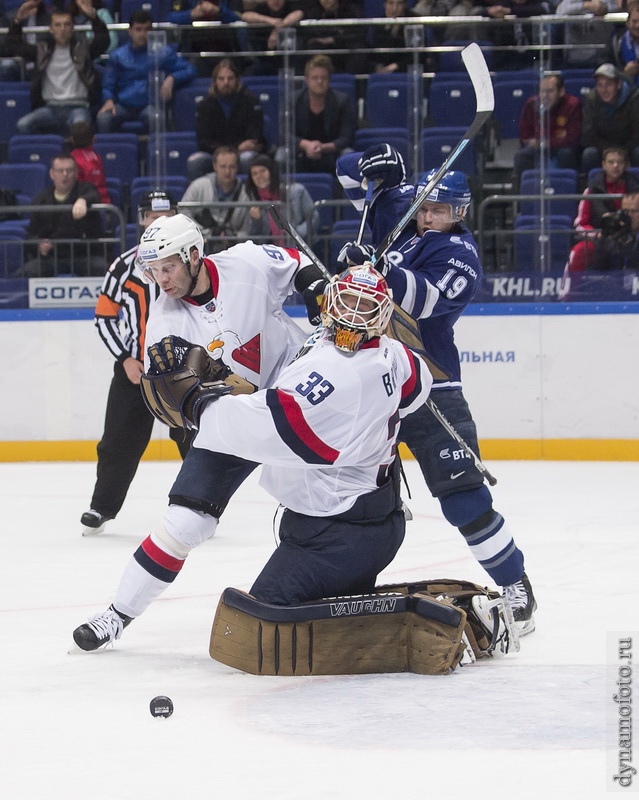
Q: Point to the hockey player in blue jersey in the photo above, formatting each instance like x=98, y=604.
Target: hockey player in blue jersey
x=433, y=269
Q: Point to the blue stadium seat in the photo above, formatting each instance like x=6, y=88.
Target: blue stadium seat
x=343, y=231
x=559, y=181
x=178, y=146
x=127, y=7
x=438, y=143
x=451, y=101
x=451, y=61
x=185, y=102
x=27, y=179
x=11, y=254
x=114, y=187
x=395, y=137
x=344, y=82
x=34, y=149
x=266, y=89
x=510, y=97
x=320, y=187
x=374, y=8
x=386, y=99
x=120, y=156
x=131, y=237
x=579, y=86
x=528, y=246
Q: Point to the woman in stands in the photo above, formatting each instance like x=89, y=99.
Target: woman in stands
x=263, y=184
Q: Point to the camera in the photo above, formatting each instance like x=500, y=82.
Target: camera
x=616, y=224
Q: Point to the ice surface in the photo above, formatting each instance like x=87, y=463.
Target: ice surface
x=532, y=725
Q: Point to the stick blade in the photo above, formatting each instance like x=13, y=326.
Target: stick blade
x=476, y=67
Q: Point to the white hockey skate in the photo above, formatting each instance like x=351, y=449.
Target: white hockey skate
x=521, y=600
x=497, y=620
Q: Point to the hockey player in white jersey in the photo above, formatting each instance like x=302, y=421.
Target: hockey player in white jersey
x=326, y=433
x=230, y=303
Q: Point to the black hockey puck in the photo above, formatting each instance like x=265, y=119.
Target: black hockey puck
x=161, y=706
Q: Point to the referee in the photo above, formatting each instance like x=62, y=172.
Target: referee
x=120, y=317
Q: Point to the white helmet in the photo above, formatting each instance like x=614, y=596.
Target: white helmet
x=168, y=236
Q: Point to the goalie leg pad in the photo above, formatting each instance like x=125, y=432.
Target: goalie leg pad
x=341, y=636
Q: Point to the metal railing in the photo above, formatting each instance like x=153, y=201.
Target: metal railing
x=80, y=249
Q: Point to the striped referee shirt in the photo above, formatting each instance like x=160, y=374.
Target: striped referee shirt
x=123, y=308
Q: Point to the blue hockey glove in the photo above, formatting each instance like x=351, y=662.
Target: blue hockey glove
x=383, y=164
x=312, y=296
x=355, y=254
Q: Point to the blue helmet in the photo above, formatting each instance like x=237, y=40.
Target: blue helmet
x=452, y=189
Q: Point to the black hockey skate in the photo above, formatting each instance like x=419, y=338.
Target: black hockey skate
x=93, y=521
x=520, y=598
x=101, y=629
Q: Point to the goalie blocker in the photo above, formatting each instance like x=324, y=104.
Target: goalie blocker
x=427, y=628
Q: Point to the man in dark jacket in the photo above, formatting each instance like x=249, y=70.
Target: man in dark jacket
x=324, y=120
x=64, y=82
x=610, y=118
x=228, y=115
x=78, y=257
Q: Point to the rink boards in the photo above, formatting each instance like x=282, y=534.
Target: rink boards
x=554, y=381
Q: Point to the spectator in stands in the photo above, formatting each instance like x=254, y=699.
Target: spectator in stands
x=80, y=18
x=263, y=183
x=324, y=120
x=125, y=83
x=391, y=36
x=220, y=223
x=618, y=246
x=613, y=180
x=517, y=37
x=202, y=40
x=628, y=45
x=90, y=166
x=274, y=14
x=64, y=80
x=10, y=68
x=338, y=37
x=588, y=40
x=562, y=121
x=46, y=258
x=610, y=118
x=230, y=115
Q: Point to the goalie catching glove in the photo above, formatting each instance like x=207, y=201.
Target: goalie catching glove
x=182, y=378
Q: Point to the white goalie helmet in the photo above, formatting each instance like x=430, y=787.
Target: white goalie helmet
x=168, y=236
x=357, y=306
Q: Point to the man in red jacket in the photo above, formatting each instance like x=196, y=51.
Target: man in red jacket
x=563, y=113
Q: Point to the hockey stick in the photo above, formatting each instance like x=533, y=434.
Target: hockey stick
x=285, y=225
x=367, y=204
x=477, y=69
x=480, y=466
x=404, y=327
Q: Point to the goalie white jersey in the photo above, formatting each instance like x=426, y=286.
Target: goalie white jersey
x=326, y=433
x=243, y=324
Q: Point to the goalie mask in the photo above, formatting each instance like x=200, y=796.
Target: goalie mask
x=357, y=306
